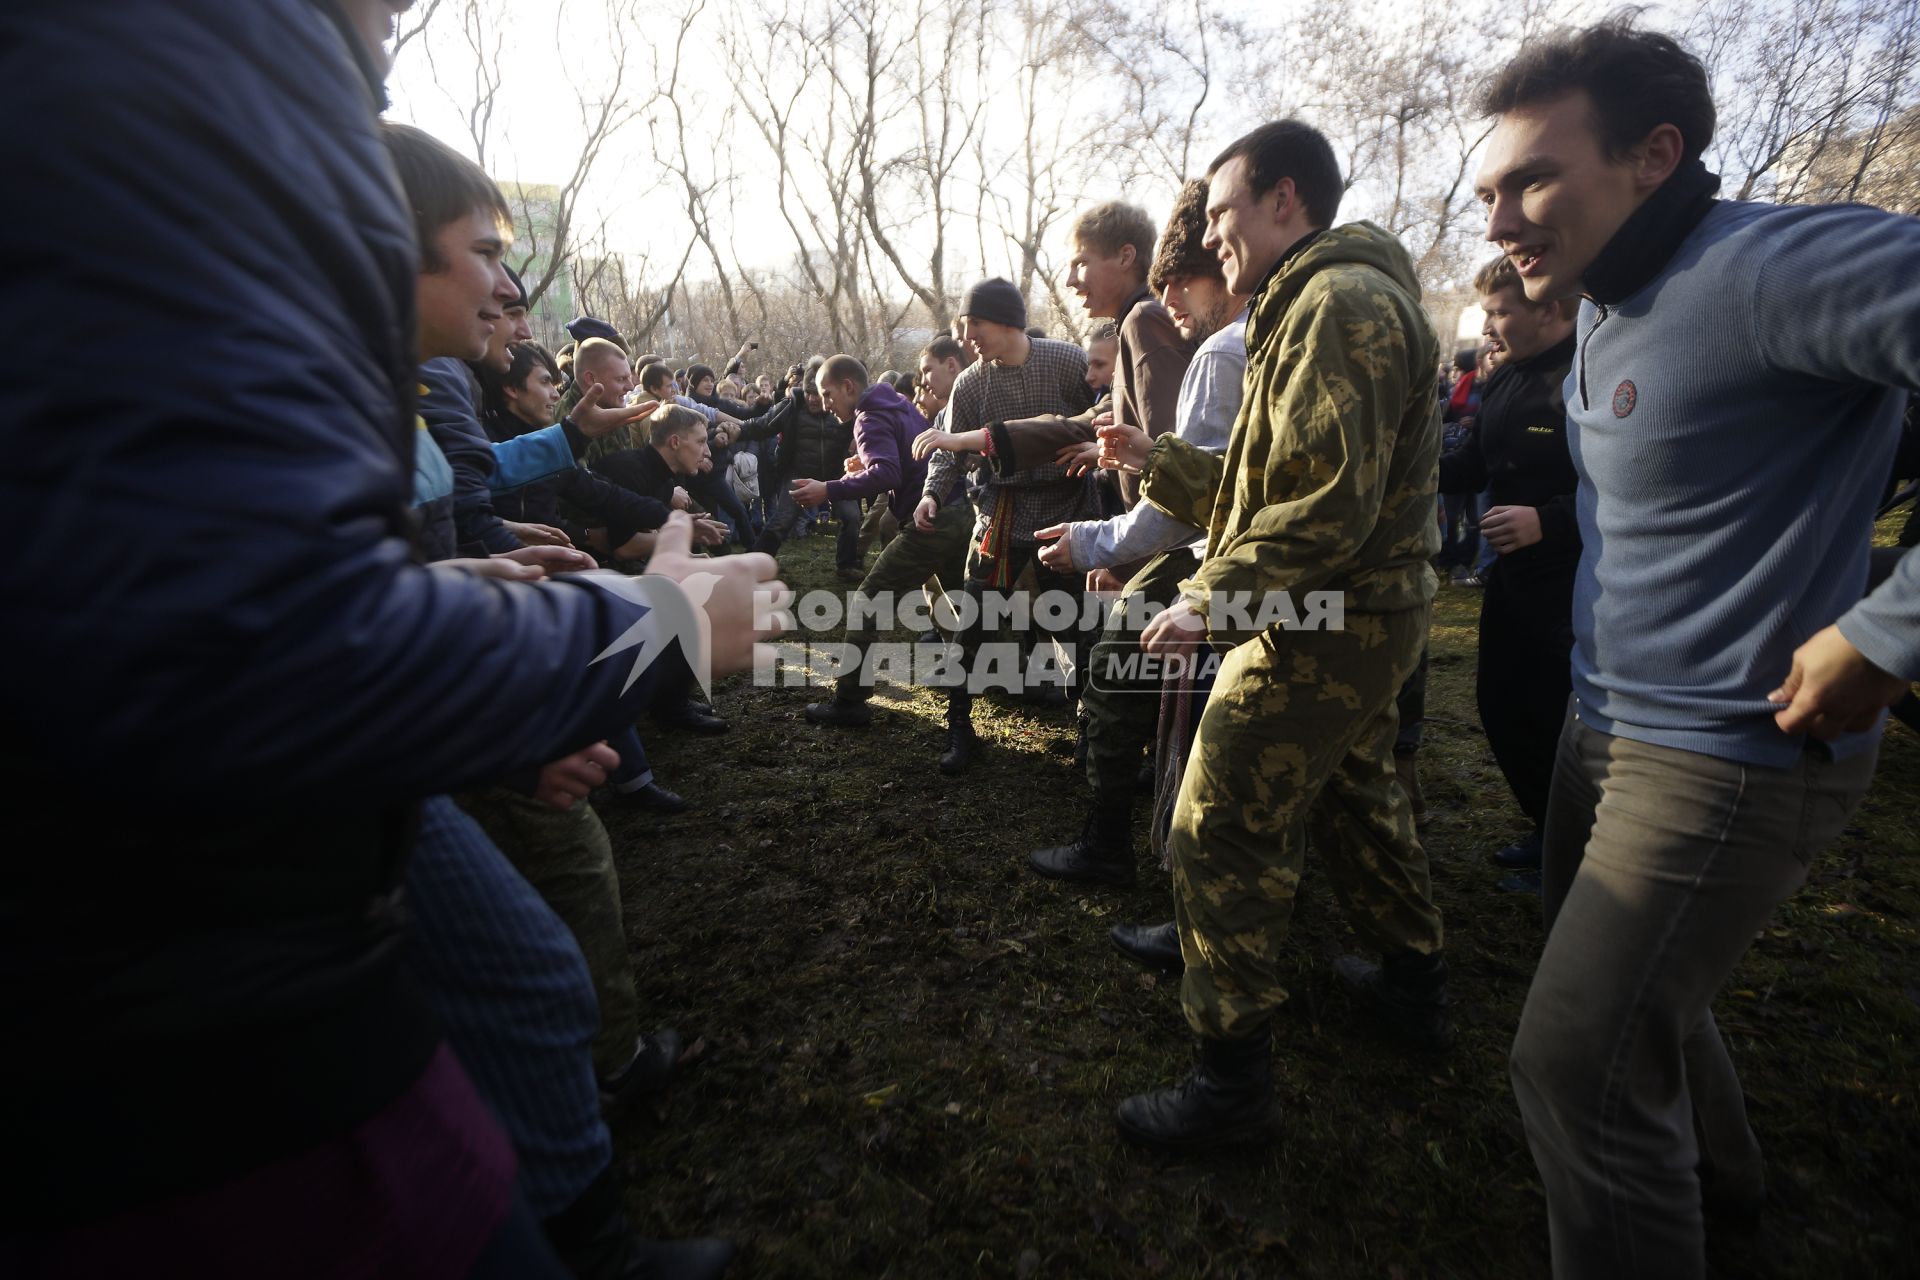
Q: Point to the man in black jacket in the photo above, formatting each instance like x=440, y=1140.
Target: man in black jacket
x=1517, y=451
x=813, y=446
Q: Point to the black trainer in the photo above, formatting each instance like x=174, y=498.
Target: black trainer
x=1157, y=946
x=1227, y=1100
x=1406, y=993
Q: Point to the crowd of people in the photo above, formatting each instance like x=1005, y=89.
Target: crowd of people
x=338, y=982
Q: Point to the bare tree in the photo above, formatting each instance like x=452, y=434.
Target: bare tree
x=1810, y=92
x=779, y=88
x=408, y=26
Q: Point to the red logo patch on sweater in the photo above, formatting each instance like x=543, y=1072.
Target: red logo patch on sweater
x=1625, y=396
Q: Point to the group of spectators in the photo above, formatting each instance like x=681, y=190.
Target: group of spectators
x=333, y=979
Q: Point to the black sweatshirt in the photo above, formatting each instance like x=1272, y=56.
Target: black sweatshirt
x=1517, y=452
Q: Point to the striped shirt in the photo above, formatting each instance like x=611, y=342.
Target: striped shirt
x=1052, y=380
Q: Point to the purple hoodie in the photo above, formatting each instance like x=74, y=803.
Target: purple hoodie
x=884, y=425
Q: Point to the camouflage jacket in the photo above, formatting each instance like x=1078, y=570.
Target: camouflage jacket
x=1329, y=477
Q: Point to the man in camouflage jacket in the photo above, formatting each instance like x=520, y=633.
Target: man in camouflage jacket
x=1327, y=486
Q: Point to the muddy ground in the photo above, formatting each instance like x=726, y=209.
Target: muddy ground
x=910, y=1048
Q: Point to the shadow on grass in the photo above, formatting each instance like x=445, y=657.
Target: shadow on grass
x=912, y=1048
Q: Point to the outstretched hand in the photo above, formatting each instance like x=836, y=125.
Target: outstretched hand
x=551, y=559
x=1080, y=457
x=1123, y=448
x=927, y=441
x=744, y=602
x=1058, y=553
x=596, y=422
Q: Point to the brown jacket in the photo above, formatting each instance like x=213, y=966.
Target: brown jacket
x=1153, y=358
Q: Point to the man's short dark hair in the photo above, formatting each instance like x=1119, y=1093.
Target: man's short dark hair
x=1290, y=149
x=522, y=359
x=1182, y=253
x=653, y=375
x=944, y=348
x=1638, y=80
x=839, y=369
x=441, y=186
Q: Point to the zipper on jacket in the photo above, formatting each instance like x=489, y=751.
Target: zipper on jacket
x=1599, y=318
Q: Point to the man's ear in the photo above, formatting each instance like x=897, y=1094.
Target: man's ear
x=1657, y=156
x=1285, y=199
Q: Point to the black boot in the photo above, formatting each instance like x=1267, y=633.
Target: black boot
x=1104, y=852
x=960, y=737
x=840, y=714
x=1157, y=946
x=1406, y=992
x=1225, y=1101
x=596, y=1242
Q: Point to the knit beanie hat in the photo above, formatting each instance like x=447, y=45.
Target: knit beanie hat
x=514, y=276
x=996, y=300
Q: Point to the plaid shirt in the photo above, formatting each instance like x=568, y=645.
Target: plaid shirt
x=1052, y=381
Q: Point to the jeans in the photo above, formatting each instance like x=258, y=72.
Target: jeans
x=786, y=513
x=1460, y=541
x=712, y=491
x=507, y=981
x=1488, y=553
x=1659, y=866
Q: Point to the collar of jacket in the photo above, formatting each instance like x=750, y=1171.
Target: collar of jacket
x=880, y=395
x=1651, y=235
x=1293, y=251
x=1143, y=294
x=1560, y=352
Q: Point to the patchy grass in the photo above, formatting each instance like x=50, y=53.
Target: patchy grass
x=912, y=1047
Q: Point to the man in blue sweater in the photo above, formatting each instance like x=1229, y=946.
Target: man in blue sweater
x=1732, y=410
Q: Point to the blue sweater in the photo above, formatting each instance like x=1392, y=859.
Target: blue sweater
x=1731, y=444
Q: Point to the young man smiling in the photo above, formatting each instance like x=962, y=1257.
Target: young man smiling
x=1119, y=712
x=1728, y=678
x=1112, y=247
x=1327, y=484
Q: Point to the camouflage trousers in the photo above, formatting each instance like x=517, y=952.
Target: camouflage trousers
x=910, y=562
x=1118, y=713
x=1296, y=742
x=566, y=856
